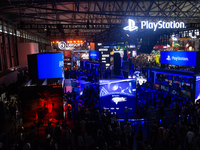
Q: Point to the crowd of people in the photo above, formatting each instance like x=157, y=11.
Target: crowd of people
x=93, y=128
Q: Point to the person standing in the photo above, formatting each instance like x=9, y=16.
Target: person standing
x=190, y=136
x=57, y=135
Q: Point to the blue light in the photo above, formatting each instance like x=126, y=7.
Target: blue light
x=174, y=74
x=164, y=34
x=122, y=37
x=94, y=54
x=118, y=95
x=50, y=65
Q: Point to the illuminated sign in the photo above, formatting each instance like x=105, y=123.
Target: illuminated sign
x=63, y=45
x=131, y=25
x=183, y=58
x=93, y=54
x=160, y=47
x=162, y=25
x=154, y=25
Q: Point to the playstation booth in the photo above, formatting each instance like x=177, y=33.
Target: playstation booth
x=185, y=84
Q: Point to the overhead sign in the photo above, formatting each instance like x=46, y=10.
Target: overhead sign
x=154, y=25
x=104, y=56
x=131, y=25
x=93, y=54
x=183, y=58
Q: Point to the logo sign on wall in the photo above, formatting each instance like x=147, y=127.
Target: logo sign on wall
x=63, y=45
x=183, y=58
x=154, y=25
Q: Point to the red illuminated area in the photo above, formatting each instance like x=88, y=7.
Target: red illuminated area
x=44, y=107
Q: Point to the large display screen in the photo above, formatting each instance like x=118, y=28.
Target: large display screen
x=93, y=54
x=50, y=66
x=117, y=95
x=183, y=58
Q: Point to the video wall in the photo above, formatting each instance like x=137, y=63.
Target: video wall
x=117, y=95
x=173, y=84
x=50, y=66
x=46, y=66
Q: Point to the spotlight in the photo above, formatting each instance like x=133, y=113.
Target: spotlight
x=74, y=41
x=57, y=42
x=78, y=41
x=70, y=41
x=53, y=42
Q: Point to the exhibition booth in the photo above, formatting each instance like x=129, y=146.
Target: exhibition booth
x=184, y=84
x=42, y=95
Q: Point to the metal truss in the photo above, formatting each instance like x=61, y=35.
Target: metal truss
x=66, y=26
x=98, y=14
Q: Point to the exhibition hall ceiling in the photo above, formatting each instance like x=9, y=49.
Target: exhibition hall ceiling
x=92, y=18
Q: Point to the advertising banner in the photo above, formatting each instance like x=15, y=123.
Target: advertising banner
x=183, y=58
x=93, y=55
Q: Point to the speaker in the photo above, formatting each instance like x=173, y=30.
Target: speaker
x=117, y=64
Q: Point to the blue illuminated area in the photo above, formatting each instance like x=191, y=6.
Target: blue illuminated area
x=174, y=74
x=50, y=66
x=183, y=58
x=117, y=95
x=197, y=90
x=93, y=54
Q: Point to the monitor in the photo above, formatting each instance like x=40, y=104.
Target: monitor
x=165, y=88
x=156, y=86
x=117, y=95
x=185, y=94
x=50, y=65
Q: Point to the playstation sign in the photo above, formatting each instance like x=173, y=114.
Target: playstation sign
x=154, y=25
x=131, y=25
x=183, y=58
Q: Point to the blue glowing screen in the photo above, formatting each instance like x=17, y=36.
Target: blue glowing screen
x=93, y=54
x=50, y=66
x=183, y=58
x=197, y=90
x=117, y=95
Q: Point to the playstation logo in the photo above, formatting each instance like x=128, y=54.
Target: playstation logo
x=168, y=58
x=131, y=25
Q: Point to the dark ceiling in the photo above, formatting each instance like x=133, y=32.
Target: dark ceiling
x=91, y=19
